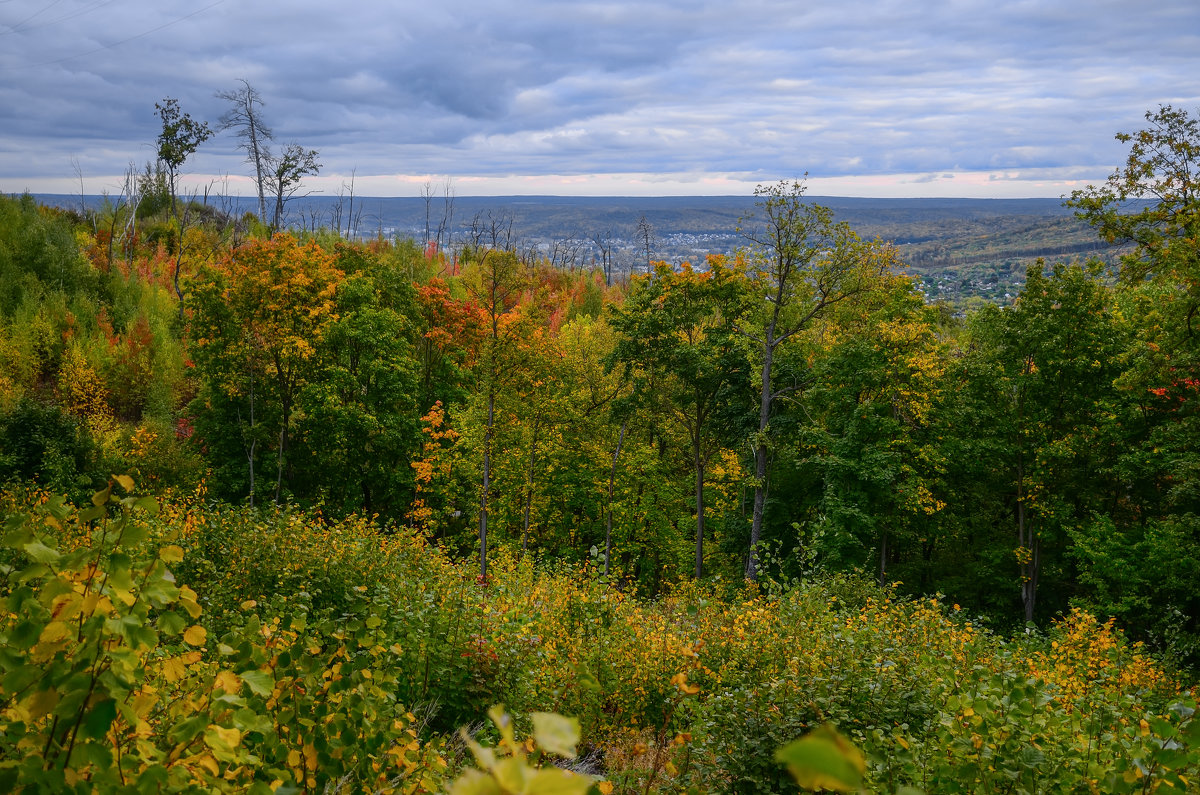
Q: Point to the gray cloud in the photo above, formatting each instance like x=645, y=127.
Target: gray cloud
x=758, y=88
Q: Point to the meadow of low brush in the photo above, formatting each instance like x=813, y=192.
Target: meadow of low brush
x=180, y=646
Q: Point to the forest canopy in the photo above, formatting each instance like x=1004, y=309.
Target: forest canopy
x=790, y=423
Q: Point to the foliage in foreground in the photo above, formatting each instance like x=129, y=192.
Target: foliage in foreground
x=136, y=658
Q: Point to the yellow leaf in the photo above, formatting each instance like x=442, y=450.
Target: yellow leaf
x=229, y=682
x=208, y=763
x=191, y=607
x=125, y=481
x=171, y=553
x=195, y=635
x=174, y=669
x=54, y=632
x=40, y=703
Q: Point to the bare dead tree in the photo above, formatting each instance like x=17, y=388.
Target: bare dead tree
x=476, y=231
x=604, y=242
x=427, y=196
x=446, y=224
x=500, y=230
x=350, y=219
x=245, y=117
x=286, y=174
x=564, y=253
x=82, y=195
x=645, y=238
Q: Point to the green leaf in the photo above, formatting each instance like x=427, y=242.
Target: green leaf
x=555, y=733
x=186, y=730
x=101, y=497
x=512, y=774
x=824, y=760
x=555, y=781
x=260, y=682
x=134, y=534
x=99, y=718
x=475, y=782
x=171, y=623
x=41, y=553
x=91, y=513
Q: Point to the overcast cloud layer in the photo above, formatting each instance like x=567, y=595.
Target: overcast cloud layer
x=902, y=98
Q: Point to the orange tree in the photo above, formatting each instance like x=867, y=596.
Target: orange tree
x=257, y=318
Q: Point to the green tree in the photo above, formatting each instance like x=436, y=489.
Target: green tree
x=868, y=427
x=679, y=343
x=358, y=427
x=1153, y=202
x=180, y=137
x=801, y=263
x=1048, y=363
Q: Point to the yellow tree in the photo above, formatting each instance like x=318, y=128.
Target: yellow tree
x=258, y=316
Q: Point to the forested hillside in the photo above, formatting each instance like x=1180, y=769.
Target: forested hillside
x=703, y=510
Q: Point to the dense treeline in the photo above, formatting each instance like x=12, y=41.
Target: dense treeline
x=1020, y=460
x=791, y=414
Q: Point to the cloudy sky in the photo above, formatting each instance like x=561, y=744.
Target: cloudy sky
x=898, y=98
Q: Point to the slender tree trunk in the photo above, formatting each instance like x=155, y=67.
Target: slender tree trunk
x=760, y=456
x=883, y=552
x=283, y=443
x=487, y=482
x=529, y=482
x=253, y=443
x=259, y=179
x=612, y=477
x=699, y=461
x=1028, y=546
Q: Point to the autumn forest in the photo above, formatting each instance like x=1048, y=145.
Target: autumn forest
x=284, y=510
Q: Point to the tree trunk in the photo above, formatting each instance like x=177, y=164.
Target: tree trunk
x=612, y=476
x=529, y=483
x=760, y=457
x=253, y=443
x=699, y=514
x=883, y=551
x=487, y=482
x=1028, y=547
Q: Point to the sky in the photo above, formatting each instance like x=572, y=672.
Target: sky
x=980, y=98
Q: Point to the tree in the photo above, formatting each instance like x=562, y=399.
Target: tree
x=1048, y=364
x=357, y=414
x=495, y=285
x=259, y=317
x=245, y=116
x=1136, y=556
x=285, y=174
x=180, y=137
x=679, y=346
x=1154, y=201
x=645, y=238
x=801, y=263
